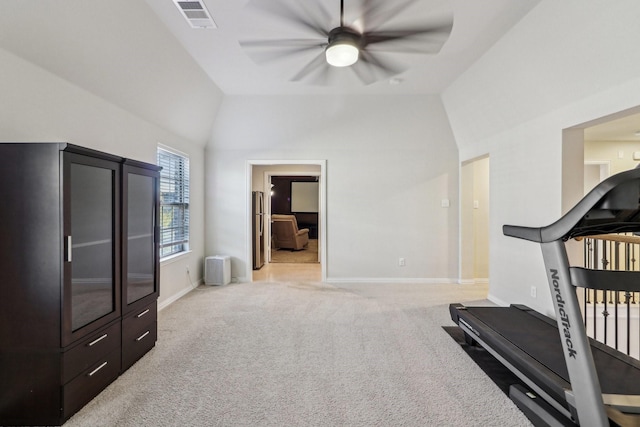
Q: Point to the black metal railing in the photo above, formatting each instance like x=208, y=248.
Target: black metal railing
x=612, y=317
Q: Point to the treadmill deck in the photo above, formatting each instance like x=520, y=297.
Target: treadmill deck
x=537, y=337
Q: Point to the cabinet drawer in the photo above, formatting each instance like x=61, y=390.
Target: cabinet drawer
x=134, y=346
x=139, y=334
x=89, y=351
x=89, y=383
x=139, y=320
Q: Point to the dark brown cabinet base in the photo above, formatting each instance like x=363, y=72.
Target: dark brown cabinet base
x=139, y=334
x=78, y=276
x=79, y=391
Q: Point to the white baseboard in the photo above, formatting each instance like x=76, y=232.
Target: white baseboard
x=498, y=301
x=429, y=281
x=475, y=281
x=173, y=298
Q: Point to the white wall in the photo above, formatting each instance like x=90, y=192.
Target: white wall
x=108, y=76
x=118, y=50
x=608, y=151
x=564, y=64
x=390, y=162
x=37, y=106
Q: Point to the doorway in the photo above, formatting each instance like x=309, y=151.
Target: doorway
x=592, y=151
x=259, y=178
x=296, y=196
x=597, y=149
x=474, y=221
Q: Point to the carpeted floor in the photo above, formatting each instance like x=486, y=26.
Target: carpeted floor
x=306, y=354
x=306, y=255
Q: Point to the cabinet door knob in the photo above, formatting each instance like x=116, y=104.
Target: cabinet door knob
x=143, y=313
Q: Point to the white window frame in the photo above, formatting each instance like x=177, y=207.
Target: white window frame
x=174, y=197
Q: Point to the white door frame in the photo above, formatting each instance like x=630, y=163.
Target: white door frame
x=322, y=214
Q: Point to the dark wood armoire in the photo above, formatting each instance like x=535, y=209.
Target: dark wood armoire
x=79, y=275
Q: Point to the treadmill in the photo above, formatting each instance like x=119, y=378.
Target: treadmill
x=570, y=379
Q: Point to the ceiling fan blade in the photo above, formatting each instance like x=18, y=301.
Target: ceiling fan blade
x=266, y=57
x=375, y=13
x=282, y=42
x=412, y=40
x=263, y=51
x=288, y=13
x=321, y=17
x=364, y=72
x=382, y=67
x=315, y=65
x=321, y=78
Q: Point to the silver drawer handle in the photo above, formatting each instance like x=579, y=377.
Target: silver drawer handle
x=97, y=369
x=96, y=340
x=69, y=249
x=143, y=313
x=142, y=336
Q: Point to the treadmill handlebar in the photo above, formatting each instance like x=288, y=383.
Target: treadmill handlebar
x=612, y=206
x=527, y=233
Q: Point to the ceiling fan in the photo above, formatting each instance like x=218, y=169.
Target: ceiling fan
x=360, y=46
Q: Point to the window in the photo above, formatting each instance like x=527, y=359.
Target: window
x=174, y=202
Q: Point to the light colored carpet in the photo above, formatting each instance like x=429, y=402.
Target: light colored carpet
x=306, y=354
x=307, y=255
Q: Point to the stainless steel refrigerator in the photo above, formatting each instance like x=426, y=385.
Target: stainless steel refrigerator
x=258, y=229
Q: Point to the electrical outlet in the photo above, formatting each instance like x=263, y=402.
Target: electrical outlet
x=401, y=262
x=534, y=292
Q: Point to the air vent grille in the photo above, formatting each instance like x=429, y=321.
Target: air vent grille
x=196, y=13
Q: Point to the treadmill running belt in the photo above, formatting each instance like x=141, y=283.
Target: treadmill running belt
x=531, y=335
x=541, y=341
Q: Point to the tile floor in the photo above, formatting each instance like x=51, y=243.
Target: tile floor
x=283, y=272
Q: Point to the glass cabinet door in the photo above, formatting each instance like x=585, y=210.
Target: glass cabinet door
x=139, y=229
x=91, y=243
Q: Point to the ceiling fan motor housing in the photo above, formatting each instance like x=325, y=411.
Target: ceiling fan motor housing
x=345, y=35
x=344, y=46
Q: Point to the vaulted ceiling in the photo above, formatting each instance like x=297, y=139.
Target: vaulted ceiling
x=477, y=25
x=143, y=55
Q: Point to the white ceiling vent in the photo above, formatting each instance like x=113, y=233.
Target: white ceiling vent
x=196, y=13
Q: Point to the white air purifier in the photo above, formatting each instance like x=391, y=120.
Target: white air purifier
x=217, y=270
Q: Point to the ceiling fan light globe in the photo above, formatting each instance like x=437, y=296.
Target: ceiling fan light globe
x=342, y=54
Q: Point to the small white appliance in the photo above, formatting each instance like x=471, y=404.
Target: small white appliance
x=217, y=270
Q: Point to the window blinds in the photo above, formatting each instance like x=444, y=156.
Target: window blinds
x=174, y=202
